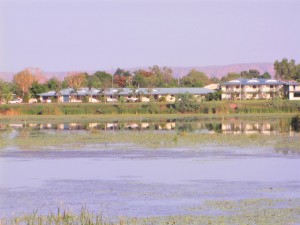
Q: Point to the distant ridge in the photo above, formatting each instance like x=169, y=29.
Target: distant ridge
x=211, y=71
x=220, y=71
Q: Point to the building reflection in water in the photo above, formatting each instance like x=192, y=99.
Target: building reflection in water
x=225, y=127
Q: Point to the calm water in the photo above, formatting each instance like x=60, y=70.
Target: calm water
x=143, y=182
x=227, y=127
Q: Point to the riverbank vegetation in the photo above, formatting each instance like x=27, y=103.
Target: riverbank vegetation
x=247, y=211
x=185, y=106
x=189, y=135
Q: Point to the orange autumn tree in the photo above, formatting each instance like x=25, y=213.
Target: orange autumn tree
x=75, y=80
x=24, y=79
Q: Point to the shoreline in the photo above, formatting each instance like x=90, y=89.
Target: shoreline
x=5, y=119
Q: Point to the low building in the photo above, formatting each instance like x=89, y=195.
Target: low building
x=241, y=89
x=70, y=95
x=292, y=89
x=130, y=94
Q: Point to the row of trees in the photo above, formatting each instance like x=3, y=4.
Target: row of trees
x=287, y=70
x=27, y=83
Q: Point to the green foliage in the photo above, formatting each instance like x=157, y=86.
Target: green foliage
x=163, y=99
x=37, y=88
x=105, y=78
x=195, y=79
x=121, y=72
x=287, y=70
x=296, y=123
x=54, y=84
x=230, y=76
x=246, y=74
x=164, y=76
x=250, y=74
x=215, y=96
x=189, y=106
x=154, y=77
x=85, y=99
x=26, y=98
x=152, y=107
x=5, y=91
x=186, y=103
x=145, y=79
x=93, y=82
x=266, y=75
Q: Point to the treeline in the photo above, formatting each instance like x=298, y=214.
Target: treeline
x=27, y=83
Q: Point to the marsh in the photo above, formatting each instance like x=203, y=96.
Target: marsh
x=151, y=169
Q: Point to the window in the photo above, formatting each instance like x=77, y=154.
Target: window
x=271, y=86
x=297, y=95
x=254, y=86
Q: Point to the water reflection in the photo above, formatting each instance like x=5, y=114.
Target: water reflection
x=225, y=127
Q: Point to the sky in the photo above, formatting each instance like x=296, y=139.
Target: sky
x=70, y=35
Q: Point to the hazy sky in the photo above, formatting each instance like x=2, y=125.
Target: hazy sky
x=64, y=35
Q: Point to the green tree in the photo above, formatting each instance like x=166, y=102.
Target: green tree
x=37, y=89
x=266, y=75
x=285, y=70
x=53, y=84
x=297, y=76
x=163, y=76
x=121, y=72
x=215, y=96
x=144, y=79
x=195, y=79
x=93, y=82
x=250, y=74
x=5, y=91
x=105, y=78
x=230, y=76
x=186, y=103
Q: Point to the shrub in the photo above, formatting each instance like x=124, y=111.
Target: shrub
x=186, y=103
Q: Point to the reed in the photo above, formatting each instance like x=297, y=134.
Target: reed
x=246, y=211
x=211, y=108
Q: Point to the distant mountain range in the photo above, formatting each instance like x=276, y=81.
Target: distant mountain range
x=211, y=71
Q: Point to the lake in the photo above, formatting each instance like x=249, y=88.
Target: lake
x=145, y=169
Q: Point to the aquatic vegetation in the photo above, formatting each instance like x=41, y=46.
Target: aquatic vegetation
x=206, y=107
x=31, y=139
x=247, y=211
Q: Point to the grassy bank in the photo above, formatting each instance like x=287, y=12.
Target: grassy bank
x=211, y=108
x=42, y=140
x=248, y=211
x=266, y=117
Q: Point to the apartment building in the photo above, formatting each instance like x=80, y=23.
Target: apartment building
x=242, y=89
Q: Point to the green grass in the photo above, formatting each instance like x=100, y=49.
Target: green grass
x=184, y=135
x=217, y=107
x=39, y=140
x=140, y=117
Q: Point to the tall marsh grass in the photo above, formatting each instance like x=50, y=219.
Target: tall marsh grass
x=249, y=211
x=62, y=217
x=211, y=108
